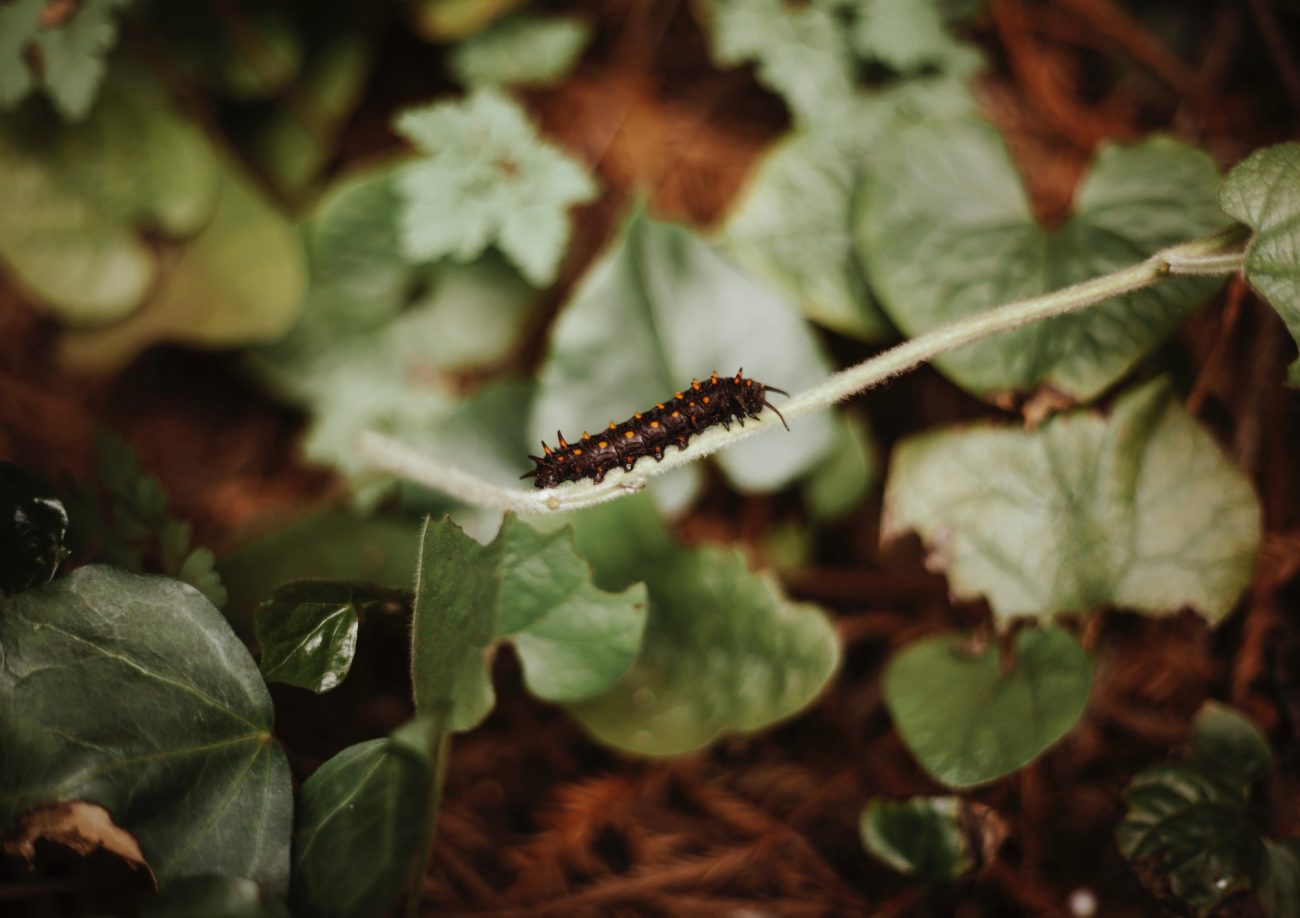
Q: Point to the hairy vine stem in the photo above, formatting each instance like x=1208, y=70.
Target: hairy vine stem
x=1218, y=254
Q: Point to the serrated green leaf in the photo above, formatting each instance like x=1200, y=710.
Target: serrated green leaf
x=240, y=281
x=968, y=720
x=133, y=692
x=1263, y=191
x=724, y=650
x=307, y=631
x=1142, y=511
x=659, y=307
x=909, y=35
x=361, y=821
x=574, y=640
x=33, y=524
x=920, y=836
x=213, y=896
x=523, y=50
x=791, y=227
x=945, y=231
x=487, y=178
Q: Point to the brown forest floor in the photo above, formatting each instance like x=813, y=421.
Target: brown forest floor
x=537, y=818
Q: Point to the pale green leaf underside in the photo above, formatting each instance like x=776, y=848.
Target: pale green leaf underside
x=134, y=693
x=1264, y=192
x=521, y=50
x=945, y=231
x=967, y=721
x=1141, y=511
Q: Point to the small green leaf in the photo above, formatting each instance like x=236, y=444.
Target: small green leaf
x=307, y=631
x=521, y=50
x=1228, y=746
x=909, y=35
x=486, y=177
x=360, y=823
x=724, y=650
x=1263, y=191
x=967, y=720
x=213, y=896
x=32, y=526
x=920, y=836
x=448, y=20
x=660, y=307
x=945, y=231
x=133, y=692
x=239, y=281
x=1142, y=511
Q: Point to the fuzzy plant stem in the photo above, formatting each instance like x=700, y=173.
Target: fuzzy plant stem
x=1219, y=254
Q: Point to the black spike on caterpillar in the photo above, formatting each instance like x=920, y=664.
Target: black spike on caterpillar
x=717, y=400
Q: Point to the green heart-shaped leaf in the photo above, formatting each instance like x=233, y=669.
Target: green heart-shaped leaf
x=1142, y=510
x=945, y=231
x=967, y=720
x=134, y=693
x=1263, y=191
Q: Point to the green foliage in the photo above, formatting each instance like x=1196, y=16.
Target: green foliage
x=1141, y=511
x=486, y=177
x=970, y=720
x=361, y=822
x=946, y=231
x=133, y=692
x=1191, y=822
x=573, y=639
x=213, y=896
x=307, y=630
x=522, y=50
x=448, y=20
x=32, y=526
x=919, y=836
x=909, y=35
x=724, y=649
x=120, y=518
x=1263, y=191
x=72, y=54
x=659, y=307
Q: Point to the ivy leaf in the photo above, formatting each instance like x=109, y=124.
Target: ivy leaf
x=1191, y=822
x=361, y=821
x=486, y=177
x=659, y=307
x=199, y=782
x=1262, y=191
x=574, y=639
x=1142, y=511
x=213, y=896
x=32, y=526
x=909, y=35
x=920, y=836
x=135, y=164
x=945, y=232
x=724, y=650
x=307, y=630
x=521, y=50
x=968, y=720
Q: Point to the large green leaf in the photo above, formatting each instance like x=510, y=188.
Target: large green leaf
x=214, y=896
x=76, y=198
x=133, y=692
x=486, y=177
x=521, y=50
x=1142, y=511
x=920, y=836
x=970, y=720
x=946, y=231
x=361, y=823
x=660, y=307
x=239, y=281
x=1264, y=191
x=574, y=639
x=724, y=650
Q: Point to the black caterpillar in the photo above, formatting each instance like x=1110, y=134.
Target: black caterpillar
x=715, y=401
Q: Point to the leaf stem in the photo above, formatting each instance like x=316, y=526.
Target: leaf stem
x=1220, y=253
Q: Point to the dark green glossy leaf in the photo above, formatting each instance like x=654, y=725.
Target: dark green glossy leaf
x=32, y=526
x=1263, y=191
x=362, y=821
x=214, y=896
x=920, y=836
x=133, y=692
x=307, y=631
x=1229, y=746
x=967, y=720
